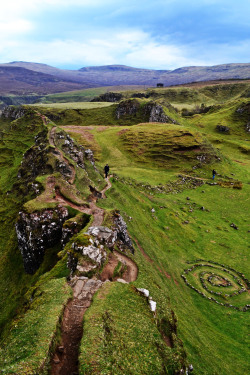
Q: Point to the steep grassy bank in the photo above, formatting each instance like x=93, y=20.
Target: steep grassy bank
x=179, y=227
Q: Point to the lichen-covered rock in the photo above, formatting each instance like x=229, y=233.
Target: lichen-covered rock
x=13, y=113
x=117, y=236
x=38, y=231
x=155, y=113
x=127, y=108
x=35, y=162
x=76, y=152
x=149, y=112
x=103, y=235
x=120, y=229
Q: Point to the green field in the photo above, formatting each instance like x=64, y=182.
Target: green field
x=74, y=105
x=190, y=234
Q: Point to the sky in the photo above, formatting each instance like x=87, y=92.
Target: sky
x=153, y=34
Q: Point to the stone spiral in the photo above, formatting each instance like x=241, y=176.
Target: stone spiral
x=218, y=283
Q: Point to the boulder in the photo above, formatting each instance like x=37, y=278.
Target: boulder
x=103, y=235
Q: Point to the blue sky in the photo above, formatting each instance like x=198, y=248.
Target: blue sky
x=157, y=34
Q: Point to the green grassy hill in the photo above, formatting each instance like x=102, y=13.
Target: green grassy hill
x=190, y=234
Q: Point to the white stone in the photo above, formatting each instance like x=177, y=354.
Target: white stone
x=122, y=281
x=152, y=305
x=145, y=292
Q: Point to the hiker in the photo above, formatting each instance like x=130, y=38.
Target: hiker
x=106, y=170
x=214, y=173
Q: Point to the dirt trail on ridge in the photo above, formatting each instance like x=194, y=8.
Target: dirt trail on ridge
x=65, y=359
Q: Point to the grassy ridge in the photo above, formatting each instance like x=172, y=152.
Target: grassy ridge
x=121, y=336
x=182, y=230
x=174, y=214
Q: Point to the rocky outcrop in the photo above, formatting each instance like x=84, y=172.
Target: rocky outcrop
x=87, y=253
x=37, y=232
x=127, y=108
x=108, y=97
x=36, y=161
x=13, y=113
x=149, y=112
x=76, y=152
x=155, y=113
x=120, y=228
x=103, y=235
x=117, y=236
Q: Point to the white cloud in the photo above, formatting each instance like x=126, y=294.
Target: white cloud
x=130, y=47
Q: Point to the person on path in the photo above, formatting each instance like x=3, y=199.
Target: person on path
x=106, y=170
x=214, y=173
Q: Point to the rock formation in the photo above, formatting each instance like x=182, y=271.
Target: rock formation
x=38, y=231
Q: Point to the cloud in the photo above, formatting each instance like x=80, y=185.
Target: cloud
x=161, y=34
x=129, y=47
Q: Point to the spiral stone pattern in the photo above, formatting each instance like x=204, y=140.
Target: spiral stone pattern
x=218, y=283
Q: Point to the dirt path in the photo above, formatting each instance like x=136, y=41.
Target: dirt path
x=131, y=268
x=65, y=359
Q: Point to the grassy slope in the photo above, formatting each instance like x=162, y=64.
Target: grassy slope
x=211, y=334
x=85, y=95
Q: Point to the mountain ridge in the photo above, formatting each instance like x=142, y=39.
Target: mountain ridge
x=27, y=77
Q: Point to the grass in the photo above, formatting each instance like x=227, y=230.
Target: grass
x=85, y=95
x=121, y=336
x=27, y=348
x=209, y=332
x=174, y=216
x=74, y=105
x=33, y=304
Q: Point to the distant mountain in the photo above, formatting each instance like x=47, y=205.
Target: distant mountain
x=25, y=77
x=16, y=80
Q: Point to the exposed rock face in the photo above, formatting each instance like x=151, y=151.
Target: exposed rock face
x=122, y=233
x=103, y=235
x=118, y=235
x=94, y=252
x=108, y=97
x=35, y=162
x=13, y=113
x=155, y=113
x=76, y=152
x=127, y=108
x=38, y=231
x=150, y=112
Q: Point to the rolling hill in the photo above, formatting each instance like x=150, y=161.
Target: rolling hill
x=26, y=77
x=145, y=272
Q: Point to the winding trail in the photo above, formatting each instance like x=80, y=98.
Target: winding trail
x=65, y=359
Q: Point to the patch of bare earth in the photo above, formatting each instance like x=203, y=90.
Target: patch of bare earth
x=65, y=359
